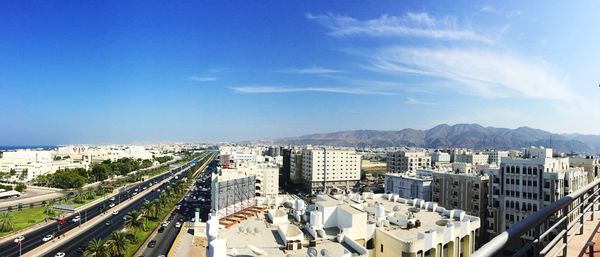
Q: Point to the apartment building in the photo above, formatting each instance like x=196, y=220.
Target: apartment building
x=29, y=164
x=327, y=169
x=590, y=163
x=495, y=157
x=472, y=158
x=522, y=186
x=409, y=185
x=463, y=188
x=407, y=161
x=438, y=158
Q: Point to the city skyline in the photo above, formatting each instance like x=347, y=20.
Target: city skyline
x=116, y=72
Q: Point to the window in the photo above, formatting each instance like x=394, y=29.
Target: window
x=381, y=247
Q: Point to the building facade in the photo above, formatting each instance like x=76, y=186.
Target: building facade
x=407, y=161
x=522, y=186
x=327, y=169
x=409, y=185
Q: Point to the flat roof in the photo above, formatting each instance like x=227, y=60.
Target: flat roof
x=268, y=240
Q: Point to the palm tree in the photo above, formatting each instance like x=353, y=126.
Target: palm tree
x=6, y=222
x=133, y=223
x=146, y=208
x=96, y=248
x=117, y=245
x=156, y=207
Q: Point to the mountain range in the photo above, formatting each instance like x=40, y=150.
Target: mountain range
x=472, y=136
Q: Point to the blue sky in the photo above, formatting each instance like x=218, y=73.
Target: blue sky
x=150, y=71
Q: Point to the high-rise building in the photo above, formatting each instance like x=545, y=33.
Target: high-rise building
x=522, y=186
x=407, y=161
x=495, y=157
x=330, y=169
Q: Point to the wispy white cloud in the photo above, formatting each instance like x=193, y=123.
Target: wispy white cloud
x=413, y=101
x=203, y=78
x=480, y=72
x=493, y=10
x=313, y=70
x=411, y=24
x=289, y=89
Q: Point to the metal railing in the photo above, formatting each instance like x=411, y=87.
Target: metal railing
x=576, y=205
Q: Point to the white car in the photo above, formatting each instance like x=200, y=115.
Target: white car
x=111, y=205
x=177, y=225
x=115, y=213
x=59, y=254
x=166, y=223
x=76, y=219
x=19, y=239
x=47, y=238
x=112, y=198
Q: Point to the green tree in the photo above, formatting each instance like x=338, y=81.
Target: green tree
x=100, y=171
x=133, y=223
x=21, y=187
x=6, y=222
x=96, y=248
x=117, y=245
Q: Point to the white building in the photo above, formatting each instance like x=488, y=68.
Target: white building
x=495, y=157
x=472, y=158
x=29, y=164
x=438, y=157
x=522, y=186
x=409, y=185
x=407, y=161
x=333, y=168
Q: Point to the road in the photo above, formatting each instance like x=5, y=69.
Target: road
x=34, y=239
x=188, y=205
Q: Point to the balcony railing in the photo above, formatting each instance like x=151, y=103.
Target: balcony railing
x=542, y=243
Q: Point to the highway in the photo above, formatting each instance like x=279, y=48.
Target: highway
x=197, y=198
x=34, y=239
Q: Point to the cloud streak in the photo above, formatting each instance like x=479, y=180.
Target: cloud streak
x=482, y=72
x=413, y=101
x=411, y=24
x=314, y=70
x=203, y=78
x=289, y=89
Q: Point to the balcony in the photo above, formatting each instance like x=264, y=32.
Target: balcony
x=562, y=238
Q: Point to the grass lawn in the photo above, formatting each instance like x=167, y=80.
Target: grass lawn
x=26, y=218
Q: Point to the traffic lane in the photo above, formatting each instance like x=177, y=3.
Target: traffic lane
x=164, y=240
x=34, y=239
x=101, y=230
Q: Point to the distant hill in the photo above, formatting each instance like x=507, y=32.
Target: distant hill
x=472, y=136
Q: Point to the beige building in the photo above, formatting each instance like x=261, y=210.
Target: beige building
x=382, y=225
x=407, y=161
x=591, y=165
x=335, y=169
x=472, y=158
x=466, y=191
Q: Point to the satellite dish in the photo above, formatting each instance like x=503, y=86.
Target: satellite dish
x=312, y=252
x=324, y=252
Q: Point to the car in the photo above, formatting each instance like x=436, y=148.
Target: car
x=112, y=198
x=81, y=249
x=107, y=223
x=19, y=239
x=76, y=219
x=59, y=254
x=161, y=229
x=126, y=217
x=152, y=243
x=114, y=213
x=111, y=205
x=47, y=238
x=177, y=225
x=162, y=255
x=166, y=223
